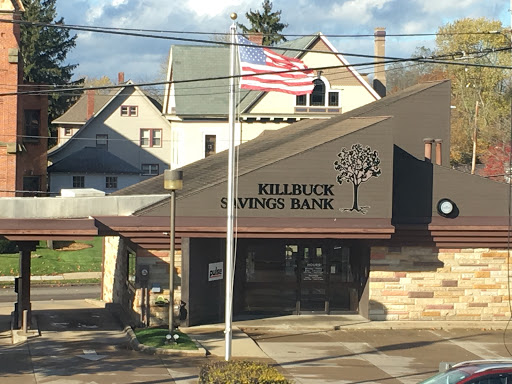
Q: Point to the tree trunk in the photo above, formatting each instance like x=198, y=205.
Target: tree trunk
x=355, y=206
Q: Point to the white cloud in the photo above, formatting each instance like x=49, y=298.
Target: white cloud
x=211, y=8
x=360, y=11
x=334, y=17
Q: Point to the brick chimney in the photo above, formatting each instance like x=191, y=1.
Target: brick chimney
x=428, y=149
x=379, y=77
x=90, y=103
x=256, y=38
x=439, y=154
x=120, y=77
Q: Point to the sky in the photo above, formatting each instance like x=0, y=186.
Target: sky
x=142, y=59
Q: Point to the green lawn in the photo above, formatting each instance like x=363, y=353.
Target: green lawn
x=53, y=261
x=155, y=337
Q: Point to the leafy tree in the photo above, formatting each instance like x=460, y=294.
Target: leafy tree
x=44, y=49
x=357, y=165
x=489, y=87
x=266, y=22
x=497, y=163
x=102, y=81
x=404, y=74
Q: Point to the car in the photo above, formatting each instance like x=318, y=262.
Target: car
x=475, y=372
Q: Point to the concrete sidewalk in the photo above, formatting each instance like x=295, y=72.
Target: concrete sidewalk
x=58, y=277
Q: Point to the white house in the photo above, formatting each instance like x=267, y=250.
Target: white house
x=110, y=141
x=198, y=111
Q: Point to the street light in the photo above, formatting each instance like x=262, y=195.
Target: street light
x=173, y=181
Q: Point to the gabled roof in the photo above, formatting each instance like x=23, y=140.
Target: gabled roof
x=199, y=62
x=188, y=62
x=93, y=160
x=273, y=146
x=77, y=113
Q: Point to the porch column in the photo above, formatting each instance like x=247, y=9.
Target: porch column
x=23, y=286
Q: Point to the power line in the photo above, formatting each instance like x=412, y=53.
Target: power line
x=350, y=35
x=128, y=32
x=388, y=60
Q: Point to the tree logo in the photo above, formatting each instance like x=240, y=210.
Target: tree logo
x=357, y=165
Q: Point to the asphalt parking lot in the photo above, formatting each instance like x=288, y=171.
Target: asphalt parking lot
x=376, y=355
x=84, y=344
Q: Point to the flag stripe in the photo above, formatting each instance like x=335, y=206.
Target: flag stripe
x=256, y=62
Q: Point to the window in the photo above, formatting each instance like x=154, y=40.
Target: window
x=102, y=141
x=150, y=137
x=334, y=99
x=32, y=123
x=78, y=181
x=210, y=145
x=131, y=266
x=68, y=131
x=322, y=99
x=317, y=97
x=301, y=100
x=150, y=169
x=129, y=110
x=111, y=182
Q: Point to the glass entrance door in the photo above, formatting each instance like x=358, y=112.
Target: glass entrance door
x=313, y=280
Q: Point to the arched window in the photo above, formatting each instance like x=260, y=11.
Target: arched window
x=322, y=96
x=317, y=97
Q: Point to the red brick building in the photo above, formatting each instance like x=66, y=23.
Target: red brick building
x=23, y=118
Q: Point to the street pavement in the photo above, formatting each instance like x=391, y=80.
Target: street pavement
x=81, y=342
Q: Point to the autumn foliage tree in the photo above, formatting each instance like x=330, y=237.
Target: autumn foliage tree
x=497, y=162
x=470, y=40
x=473, y=41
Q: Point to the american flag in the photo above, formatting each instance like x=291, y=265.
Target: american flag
x=255, y=59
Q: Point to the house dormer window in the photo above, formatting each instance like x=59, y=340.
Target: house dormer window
x=129, y=110
x=317, y=97
x=323, y=99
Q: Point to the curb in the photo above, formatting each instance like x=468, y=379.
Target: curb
x=134, y=343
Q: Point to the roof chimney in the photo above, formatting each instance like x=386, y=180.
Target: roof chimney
x=428, y=149
x=256, y=38
x=439, y=154
x=90, y=103
x=120, y=77
x=379, y=79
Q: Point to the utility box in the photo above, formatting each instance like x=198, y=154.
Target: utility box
x=142, y=277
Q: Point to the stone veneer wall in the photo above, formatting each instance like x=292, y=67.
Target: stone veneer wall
x=117, y=290
x=114, y=269
x=419, y=283
x=158, y=262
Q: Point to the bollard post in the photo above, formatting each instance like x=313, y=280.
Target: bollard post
x=25, y=321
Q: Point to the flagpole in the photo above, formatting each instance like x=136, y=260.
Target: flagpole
x=229, y=276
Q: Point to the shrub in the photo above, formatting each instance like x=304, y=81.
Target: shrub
x=7, y=246
x=240, y=372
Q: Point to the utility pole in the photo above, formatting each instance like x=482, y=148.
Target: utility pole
x=475, y=138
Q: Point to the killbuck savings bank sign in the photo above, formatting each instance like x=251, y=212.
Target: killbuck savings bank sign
x=290, y=196
x=355, y=165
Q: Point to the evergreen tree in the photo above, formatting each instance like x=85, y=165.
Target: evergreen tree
x=44, y=50
x=266, y=22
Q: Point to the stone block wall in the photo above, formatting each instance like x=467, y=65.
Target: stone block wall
x=133, y=298
x=158, y=262
x=420, y=283
x=114, y=269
